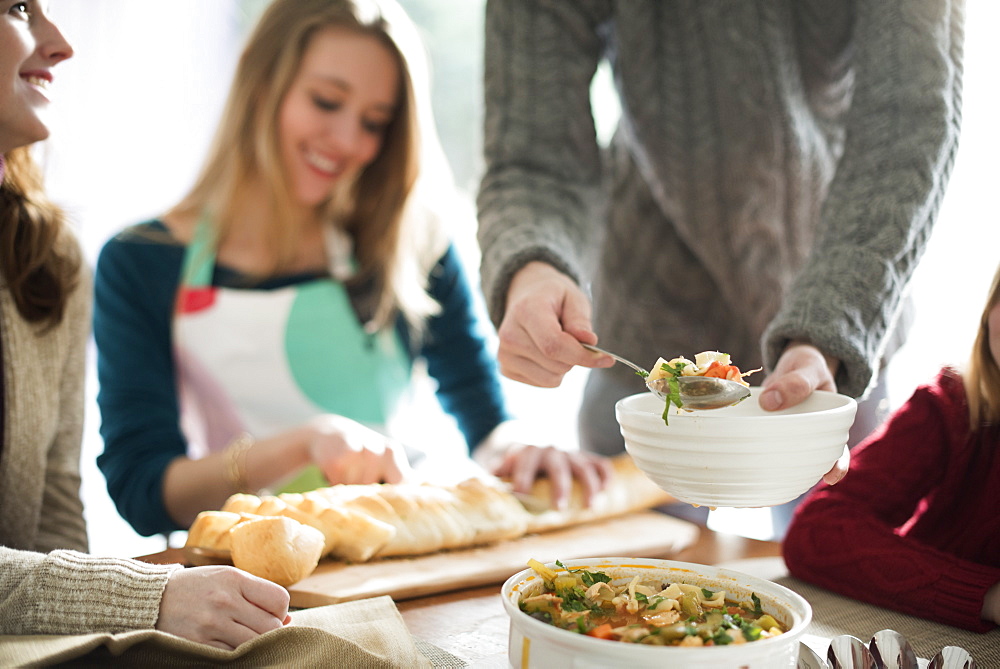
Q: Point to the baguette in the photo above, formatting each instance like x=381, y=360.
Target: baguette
x=357, y=523
x=357, y=536
x=433, y=518
x=270, y=505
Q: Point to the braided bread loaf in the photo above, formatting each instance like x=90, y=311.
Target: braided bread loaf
x=358, y=523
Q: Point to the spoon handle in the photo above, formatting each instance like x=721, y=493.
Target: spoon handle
x=620, y=359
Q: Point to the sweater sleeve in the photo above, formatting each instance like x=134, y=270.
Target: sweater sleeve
x=540, y=197
x=61, y=523
x=458, y=358
x=65, y=592
x=902, y=133
x=856, y=537
x=135, y=283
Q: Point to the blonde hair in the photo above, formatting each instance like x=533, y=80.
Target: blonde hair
x=40, y=265
x=982, y=376
x=377, y=209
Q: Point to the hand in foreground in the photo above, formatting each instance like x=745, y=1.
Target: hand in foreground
x=221, y=606
x=546, y=318
x=348, y=452
x=801, y=369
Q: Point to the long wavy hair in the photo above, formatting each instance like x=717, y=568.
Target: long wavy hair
x=40, y=269
x=982, y=375
x=376, y=209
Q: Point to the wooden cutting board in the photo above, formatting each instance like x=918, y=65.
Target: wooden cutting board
x=643, y=534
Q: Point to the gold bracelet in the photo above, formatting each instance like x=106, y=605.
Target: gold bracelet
x=236, y=462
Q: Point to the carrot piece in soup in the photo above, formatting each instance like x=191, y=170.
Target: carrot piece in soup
x=601, y=631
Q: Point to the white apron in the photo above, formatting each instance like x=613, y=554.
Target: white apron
x=265, y=361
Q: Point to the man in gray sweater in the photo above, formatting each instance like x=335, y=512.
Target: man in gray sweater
x=770, y=187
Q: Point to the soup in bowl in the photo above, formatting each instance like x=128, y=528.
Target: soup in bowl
x=719, y=619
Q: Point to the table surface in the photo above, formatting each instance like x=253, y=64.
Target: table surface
x=472, y=625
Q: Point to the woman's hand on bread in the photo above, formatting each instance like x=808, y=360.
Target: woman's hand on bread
x=221, y=606
x=348, y=452
x=523, y=463
x=508, y=452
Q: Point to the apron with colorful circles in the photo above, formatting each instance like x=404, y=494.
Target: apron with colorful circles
x=266, y=361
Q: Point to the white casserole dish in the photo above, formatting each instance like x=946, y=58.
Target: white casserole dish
x=534, y=644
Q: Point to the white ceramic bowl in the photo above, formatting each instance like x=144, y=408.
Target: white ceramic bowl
x=534, y=644
x=739, y=456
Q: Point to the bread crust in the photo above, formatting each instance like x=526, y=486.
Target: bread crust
x=277, y=548
x=357, y=523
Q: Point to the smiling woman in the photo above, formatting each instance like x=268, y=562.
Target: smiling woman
x=263, y=332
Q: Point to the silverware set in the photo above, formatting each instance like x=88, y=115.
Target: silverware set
x=887, y=649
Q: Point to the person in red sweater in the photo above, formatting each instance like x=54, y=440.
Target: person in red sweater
x=914, y=526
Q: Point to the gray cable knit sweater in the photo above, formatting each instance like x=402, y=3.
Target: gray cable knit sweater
x=44, y=590
x=774, y=176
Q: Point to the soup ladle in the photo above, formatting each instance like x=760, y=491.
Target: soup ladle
x=697, y=392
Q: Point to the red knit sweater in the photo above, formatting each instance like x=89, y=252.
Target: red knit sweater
x=915, y=525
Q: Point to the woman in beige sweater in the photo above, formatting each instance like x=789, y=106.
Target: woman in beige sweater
x=48, y=584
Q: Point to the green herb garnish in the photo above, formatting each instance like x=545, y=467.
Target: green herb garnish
x=673, y=387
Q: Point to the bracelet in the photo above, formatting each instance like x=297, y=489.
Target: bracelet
x=236, y=462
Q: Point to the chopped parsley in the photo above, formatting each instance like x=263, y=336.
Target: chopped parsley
x=589, y=578
x=673, y=388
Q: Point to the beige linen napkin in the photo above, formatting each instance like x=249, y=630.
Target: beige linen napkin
x=367, y=633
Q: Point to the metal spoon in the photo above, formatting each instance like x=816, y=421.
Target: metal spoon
x=808, y=659
x=697, y=392
x=892, y=651
x=952, y=657
x=850, y=652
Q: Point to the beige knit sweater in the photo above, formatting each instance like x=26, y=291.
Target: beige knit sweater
x=44, y=590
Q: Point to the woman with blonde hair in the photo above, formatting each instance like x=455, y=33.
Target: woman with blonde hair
x=262, y=333
x=919, y=504
x=48, y=584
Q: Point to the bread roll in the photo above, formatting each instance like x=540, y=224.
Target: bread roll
x=277, y=548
